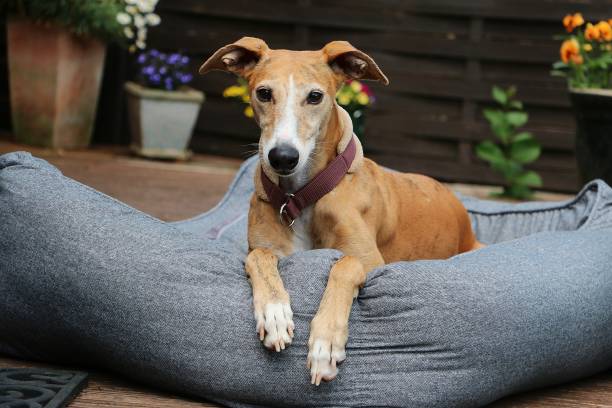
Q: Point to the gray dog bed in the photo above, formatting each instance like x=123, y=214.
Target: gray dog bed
x=87, y=279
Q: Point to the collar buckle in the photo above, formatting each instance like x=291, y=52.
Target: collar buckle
x=283, y=216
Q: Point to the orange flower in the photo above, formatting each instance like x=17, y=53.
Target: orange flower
x=591, y=32
x=570, y=51
x=605, y=30
x=572, y=21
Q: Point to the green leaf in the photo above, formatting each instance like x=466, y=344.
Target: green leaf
x=522, y=136
x=494, y=116
x=559, y=65
x=517, y=119
x=557, y=73
x=490, y=152
x=499, y=95
x=529, y=178
x=525, y=151
x=516, y=105
x=511, y=91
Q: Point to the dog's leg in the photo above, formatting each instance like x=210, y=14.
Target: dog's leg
x=270, y=300
x=329, y=328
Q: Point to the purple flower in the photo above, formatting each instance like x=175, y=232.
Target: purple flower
x=156, y=78
x=154, y=53
x=163, y=70
x=148, y=70
x=185, y=60
x=174, y=58
x=186, y=78
x=142, y=58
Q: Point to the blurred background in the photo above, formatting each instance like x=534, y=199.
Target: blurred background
x=442, y=57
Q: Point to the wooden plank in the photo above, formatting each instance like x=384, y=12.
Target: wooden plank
x=554, y=180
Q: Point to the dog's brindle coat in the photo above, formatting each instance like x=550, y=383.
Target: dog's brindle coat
x=373, y=216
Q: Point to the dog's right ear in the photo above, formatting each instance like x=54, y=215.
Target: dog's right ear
x=239, y=57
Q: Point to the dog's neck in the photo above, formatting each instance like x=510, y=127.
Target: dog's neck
x=338, y=134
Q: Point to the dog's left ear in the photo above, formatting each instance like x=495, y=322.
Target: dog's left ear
x=347, y=60
x=239, y=57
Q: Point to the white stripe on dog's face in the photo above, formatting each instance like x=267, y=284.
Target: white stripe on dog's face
x=286, y=129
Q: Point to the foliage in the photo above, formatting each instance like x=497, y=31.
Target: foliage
x=586, y=53
x=163, y=71
x=514, y=148
x=353, y=96
x=104, y=19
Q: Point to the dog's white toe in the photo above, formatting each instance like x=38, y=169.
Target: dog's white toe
x=323, y=357
x=275, y=325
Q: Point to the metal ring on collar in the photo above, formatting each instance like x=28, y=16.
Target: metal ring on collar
x=283, y=216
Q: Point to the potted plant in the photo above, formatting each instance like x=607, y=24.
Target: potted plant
x=353, y=96
x=586, y=62
x=513, y=149
x=56, y=54
x=162, y=108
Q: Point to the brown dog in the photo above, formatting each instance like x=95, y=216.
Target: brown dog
x=373, y=216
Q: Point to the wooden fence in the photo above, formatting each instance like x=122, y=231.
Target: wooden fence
x=441, y=56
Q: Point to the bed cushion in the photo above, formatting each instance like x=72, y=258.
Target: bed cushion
x=86, y=279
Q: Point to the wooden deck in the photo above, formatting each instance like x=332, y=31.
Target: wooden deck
x=173, y=191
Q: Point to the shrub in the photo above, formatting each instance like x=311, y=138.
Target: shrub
x=514, y=148
x=122, y=21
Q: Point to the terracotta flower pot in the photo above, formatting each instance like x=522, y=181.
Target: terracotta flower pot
x=161, y=122
x=593, y=110
x=54, y=84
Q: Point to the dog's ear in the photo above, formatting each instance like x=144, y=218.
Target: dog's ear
x=239, y=57
x=348, y=61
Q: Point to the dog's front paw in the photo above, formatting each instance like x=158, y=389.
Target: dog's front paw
x=275, y=325
x=326, y=349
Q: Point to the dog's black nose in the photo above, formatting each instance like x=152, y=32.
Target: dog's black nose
x=284, y=158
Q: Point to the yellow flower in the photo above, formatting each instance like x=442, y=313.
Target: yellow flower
x=572, y=21
x=605, y=30
x=570, y=51
x=248, y=111
x=591, y=32
x=587, y=47
x=344, y=99
x=234, y=91
x=356, y=86
x=362, y=98
x=246, y=98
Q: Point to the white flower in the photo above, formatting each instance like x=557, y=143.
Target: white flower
x=153, y=19
x=128, y=32
x=139, y=21
x=124, y=18
x=132, y=10
x=130, y=1
x=145, y=6
x=142, y=34
x=140, y=44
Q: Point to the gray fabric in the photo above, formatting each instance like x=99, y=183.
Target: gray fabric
x=87, y=279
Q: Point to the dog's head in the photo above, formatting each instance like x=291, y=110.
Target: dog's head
x=292, y=93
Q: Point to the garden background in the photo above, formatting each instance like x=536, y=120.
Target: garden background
x=442, y=58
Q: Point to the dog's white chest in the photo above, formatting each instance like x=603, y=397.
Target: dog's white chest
x=302, y=240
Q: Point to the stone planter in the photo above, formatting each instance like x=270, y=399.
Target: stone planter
x=593, y=110
x=54, y=84
x=161, y=122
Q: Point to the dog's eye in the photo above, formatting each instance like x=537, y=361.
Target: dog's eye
x=264, y=94
x=314, y=97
